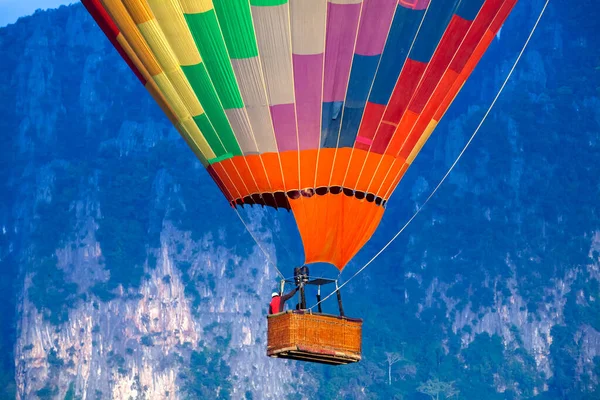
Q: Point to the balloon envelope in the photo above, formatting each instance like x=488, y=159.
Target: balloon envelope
x=315, y=106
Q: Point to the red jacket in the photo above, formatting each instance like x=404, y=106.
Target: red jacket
x=278, y=302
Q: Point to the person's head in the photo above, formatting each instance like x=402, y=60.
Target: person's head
x=274, y=294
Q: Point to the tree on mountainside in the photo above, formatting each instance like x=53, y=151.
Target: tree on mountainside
x=392, y=358
x=434, y=388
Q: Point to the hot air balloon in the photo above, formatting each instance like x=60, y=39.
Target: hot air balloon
x=314, y=106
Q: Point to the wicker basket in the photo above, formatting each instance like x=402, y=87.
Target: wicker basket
x=320, y=338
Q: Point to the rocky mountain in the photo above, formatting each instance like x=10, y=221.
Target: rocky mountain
x=126, y=275
x=116, y=297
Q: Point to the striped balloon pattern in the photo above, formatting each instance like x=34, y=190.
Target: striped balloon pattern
x=314, y=106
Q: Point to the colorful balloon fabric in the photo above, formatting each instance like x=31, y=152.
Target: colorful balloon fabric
x=315, y=106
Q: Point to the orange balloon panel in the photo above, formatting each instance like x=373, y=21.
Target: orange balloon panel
x=334, y=227
x=334, y=221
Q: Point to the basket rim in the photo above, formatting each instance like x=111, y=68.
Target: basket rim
x=307, y=312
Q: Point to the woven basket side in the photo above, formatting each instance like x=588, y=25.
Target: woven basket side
x=328, y=332
x=314, y=331
x=279, y=333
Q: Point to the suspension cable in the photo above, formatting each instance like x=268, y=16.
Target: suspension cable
x=258, y=244
x=453, y=164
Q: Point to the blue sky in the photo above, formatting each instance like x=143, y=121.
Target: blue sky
x=11, y=10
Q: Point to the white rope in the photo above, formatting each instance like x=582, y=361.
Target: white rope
x=258, y=244
x=455, y=161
